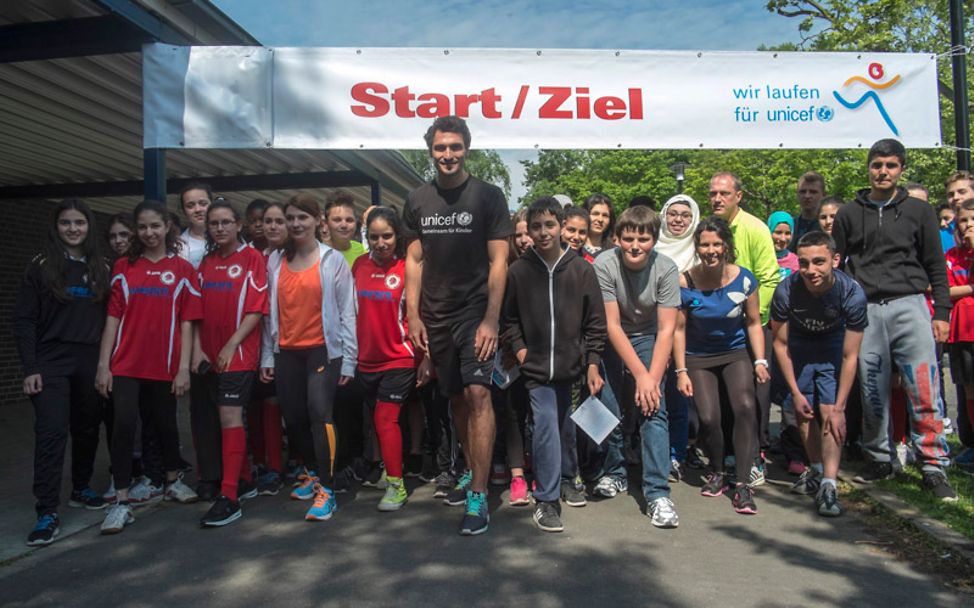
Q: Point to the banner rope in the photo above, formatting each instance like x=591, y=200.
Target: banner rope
x=956, y=50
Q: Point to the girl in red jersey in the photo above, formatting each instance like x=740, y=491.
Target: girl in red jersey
x=145, y=354
x=57, y=322
x=309, y=344
x=233, y=284
x=387, y=360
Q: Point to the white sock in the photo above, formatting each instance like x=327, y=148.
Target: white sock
x=818, y=467
x=828, y=480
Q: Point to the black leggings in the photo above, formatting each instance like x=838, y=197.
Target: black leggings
x=736, y=378
x=306, y=383
x=154, y=401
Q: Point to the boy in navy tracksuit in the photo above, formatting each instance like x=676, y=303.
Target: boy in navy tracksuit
x=554, y=323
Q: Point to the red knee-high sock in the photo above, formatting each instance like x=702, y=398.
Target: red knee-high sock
x=386, y=419
x=272, y=434
x=234, y=454
x=898, y=412
x=255, y=432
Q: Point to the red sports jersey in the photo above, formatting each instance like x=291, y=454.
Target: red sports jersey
x=958, y=273
x=151, y=298
x=232, y=287
x=383, y=337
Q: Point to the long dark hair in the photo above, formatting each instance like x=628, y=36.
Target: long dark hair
x=124, y=218
x=391, y=217
x=172, y=239
x=211, y=245
x=602, y=199
x=310, y=205
x=54, y=264
x=723, y=230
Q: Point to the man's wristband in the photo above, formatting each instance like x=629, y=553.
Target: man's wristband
x=758, y=362
x=679, y=369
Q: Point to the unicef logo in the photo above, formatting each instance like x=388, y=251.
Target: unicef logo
x=824, y=113
x=464, y=218
x=168, y=277
x=393, y=281
x=234, y=271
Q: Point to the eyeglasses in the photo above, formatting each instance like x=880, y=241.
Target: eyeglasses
x=220, y=223
x=672, y=215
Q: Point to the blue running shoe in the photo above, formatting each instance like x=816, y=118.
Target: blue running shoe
x=45, y=531
x=965, y=458
x=306, y=489
x=476, y=518
x=324, y=505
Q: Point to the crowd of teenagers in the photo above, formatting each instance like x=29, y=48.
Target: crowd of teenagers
x=451, y=343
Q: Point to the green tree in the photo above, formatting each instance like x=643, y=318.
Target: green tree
x=485, y=164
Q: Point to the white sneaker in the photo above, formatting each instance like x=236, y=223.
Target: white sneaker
x=117, y=518
x=144, y=493
x=610, y=486
x=110, y=496
x=181, y=492
x=663, y=513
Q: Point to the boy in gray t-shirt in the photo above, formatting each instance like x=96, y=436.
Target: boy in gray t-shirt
x=641, y=290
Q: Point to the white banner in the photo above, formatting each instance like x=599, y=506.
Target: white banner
x=376, y=98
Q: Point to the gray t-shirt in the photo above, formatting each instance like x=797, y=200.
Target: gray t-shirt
x=638, y=293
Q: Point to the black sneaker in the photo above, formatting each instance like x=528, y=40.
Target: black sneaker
x=413, y=466
x=444, y=483
x=476, y=518
x=45, y=530
x=874, y=471
x=371, y=479
x=827, y=501
x=246, y=489
x=936, y=482
x=269, y=484
x=457, y=495
x=571, y=495
x=208, y=491
x=361, y=468
x=547, y=517
x=342, y=481
x=693, y=459
x=743, y=500
x=223, y=512
x=88, y=499
x=429, y=474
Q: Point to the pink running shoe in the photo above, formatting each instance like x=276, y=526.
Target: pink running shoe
x=796, y=467
x=519, y=492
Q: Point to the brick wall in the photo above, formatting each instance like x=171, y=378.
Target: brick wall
x=25, y=228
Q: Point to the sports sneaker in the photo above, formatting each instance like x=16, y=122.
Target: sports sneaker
x=827, y=501
x=341, y=482
x=715, y=485
x=874, y=471
x=499, y=475
x=293, y=474
x=306, y=489
x=949, y=426
x=246, y=489
x=110, y=495
x=676, y=471
x=180, y=492
x=429, y=473
x=444, y=483
x=224, y=511
x=966, y=457
x=208, y=491
x=395, y=496
x=413, y=466
x=519, y=492
x=611, y=486
x=375, y=477
x=476, y=518
x=144, y=493
x=756, y=478
x=743, y=500
x=324, y=505
x=458, y=495
x=547, y=516
x=269, y=484
x=88, y=499
x=796, y=467
x=663, y=513
x=119, y=515
x=936, y=482
x=808, y=484
x=570, y=493
x=905, y=454
x=694, y=461
x=45, y=530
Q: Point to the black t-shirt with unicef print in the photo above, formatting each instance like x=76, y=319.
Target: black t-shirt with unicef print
x=454, y=227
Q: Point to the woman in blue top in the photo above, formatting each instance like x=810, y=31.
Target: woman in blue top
x=719, y=315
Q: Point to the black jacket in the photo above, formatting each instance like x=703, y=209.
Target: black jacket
x=894, y=250
x=558, y=316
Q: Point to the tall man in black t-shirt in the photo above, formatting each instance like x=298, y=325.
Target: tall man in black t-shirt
x=456, y=269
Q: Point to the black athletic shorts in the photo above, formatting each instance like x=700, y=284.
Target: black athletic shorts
x=392, y=385
x=452, y=353
x=231, y=388
x=962, y=362
x=263, y=390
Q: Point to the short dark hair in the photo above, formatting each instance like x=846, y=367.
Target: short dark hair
x=639, y=219
x=944, y=207
x=573, y=211
x=812, y=176
x=643, y=201
x=448, y=124
x=911, y=186
x=816, y=239
x=258, y=204
x=195, y=186
x=887, y=147
x=723, y=230
x=543, y=205
x=339, y=198
x=832, y=199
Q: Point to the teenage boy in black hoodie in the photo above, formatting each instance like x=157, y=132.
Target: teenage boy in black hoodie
x=554, y=323
x=890, y=243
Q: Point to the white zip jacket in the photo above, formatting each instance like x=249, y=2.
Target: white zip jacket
x=338, y=309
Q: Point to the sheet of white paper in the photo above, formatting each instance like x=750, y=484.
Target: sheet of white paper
x=595, y=419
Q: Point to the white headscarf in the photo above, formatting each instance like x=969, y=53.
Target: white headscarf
x=680, y=249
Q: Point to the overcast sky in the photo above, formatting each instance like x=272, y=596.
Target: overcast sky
x=735, y=25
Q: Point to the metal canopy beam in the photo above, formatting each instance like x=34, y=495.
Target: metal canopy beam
x=233, y=183
x=42, y=40
x=135, y=15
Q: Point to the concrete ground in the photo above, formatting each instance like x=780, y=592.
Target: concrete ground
x=609, y=554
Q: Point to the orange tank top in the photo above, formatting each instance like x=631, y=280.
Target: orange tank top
x=299, y=307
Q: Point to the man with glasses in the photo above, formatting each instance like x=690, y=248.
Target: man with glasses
x=890, y=243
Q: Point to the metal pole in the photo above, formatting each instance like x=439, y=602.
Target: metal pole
x=961, y=111
x=154, y=168
x=376, y=193
x=679, y=186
